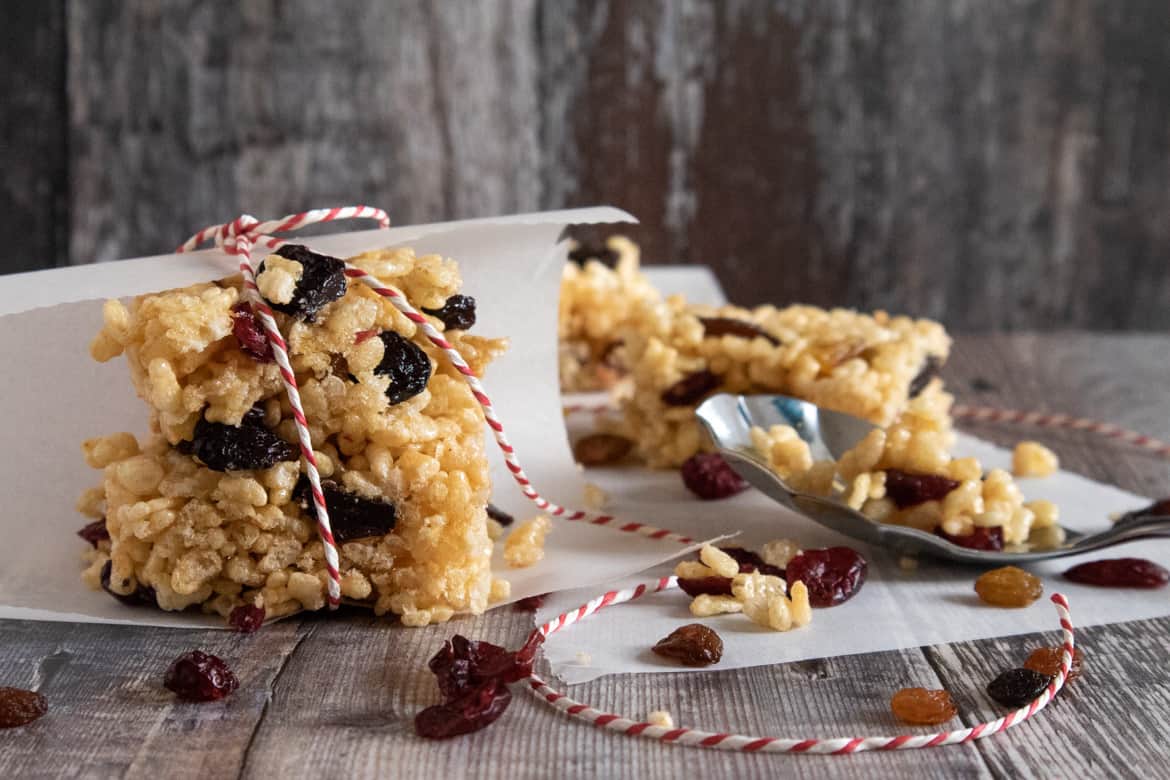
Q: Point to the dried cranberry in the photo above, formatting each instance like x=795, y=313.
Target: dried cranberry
x=729, y=326
x=475, y=709
x=1017, y=687
x=980, y=538
x=691, y=645
x=499, y=515
x=712, y=586
x=322, y=282
x=199, y=676
x=406, y=364
x=1160, y=508
x=708, y=476
x=931, y=367
x=250, y=333
x=350, y=516
x=585, y=252
x=457, y=312
x=832, y=575
x=1119, y=573
x=690, y=388
x=907, y=488
x=530, y=603
x=19, y=707
x=95, y=532
x=247, y=618
x=143, y=596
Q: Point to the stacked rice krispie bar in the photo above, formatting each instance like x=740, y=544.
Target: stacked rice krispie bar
x=211, y=509
x=871, y=366
x=599, y=291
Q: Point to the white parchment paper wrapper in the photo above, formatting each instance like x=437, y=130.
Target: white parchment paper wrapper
x=55, y=396
x=895, y=609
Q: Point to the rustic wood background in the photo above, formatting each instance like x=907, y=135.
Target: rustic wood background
x=997, y=164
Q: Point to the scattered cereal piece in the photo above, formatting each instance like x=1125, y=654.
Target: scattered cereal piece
x=694, y=570
x=525, y=545
x=722, y=564
x=1033, y=459
x=582, y=658
x=660, y=718
x=1045, y=514
x=501, y=590
x=595, y=497
x=706, y=605
x=779, y=552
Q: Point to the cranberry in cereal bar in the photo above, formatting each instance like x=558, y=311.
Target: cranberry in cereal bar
x=212, y=509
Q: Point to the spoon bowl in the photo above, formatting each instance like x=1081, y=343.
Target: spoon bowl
x=728, y=420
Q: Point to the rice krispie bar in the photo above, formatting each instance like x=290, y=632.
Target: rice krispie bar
x=870, y=366
x=599, y=290
x=211, y=509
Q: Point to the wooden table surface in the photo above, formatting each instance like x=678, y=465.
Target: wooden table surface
x=335, y=696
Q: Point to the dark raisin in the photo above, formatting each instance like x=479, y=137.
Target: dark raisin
x=95, y=532
x=907, y=488
x=232, y=448
x=1119, y=573
x=691, y=645
x=690, y=388
x=476, y=709
x=457, y=312
x=322, y=282
x=250, y=334
x=585, y=252
x=247, y=618
x=19, y=707
x=406, y=364
x=981, y=385
x=200, y=676
x=143, y=596
x=1017, y=687
x=832, y=576
x=1160, y=508
x=707, y=475
x=600, y=449
x=728, y=326
x=531, y=603
x=931, y=368
x=712, y=586
x=979, y=539
x=350, y=516
x=499, y=515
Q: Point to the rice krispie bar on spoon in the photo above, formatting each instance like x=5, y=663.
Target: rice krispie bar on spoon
x=211, y=509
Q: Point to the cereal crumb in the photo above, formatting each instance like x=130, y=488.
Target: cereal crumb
x=595, y=497
x=693, y=570
x=720, y=562
x=582, y=658
x=661, y=718
x=525, y=545
x=706, y=605
x=779, y=552
x=1033, y=459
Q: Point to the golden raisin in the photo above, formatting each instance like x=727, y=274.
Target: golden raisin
x=598, y=449
x=1046, y=660
x=922, y=707
x=1009, y=586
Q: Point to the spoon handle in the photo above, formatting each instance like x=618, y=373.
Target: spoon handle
x=1127, y=531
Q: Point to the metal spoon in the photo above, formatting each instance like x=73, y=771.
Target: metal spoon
x=729, y=419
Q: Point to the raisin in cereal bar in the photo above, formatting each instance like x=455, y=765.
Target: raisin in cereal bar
x=211, y=510
x=870, y=366
x=599, y=290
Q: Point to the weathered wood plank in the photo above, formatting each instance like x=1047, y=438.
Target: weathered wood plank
x=999, y=165
x=33, y=156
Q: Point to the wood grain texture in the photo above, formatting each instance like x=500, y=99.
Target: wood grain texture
x=999, y=165
x=335, y=696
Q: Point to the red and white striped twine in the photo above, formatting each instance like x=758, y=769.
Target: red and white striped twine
x=837, y=746
x=238, y=237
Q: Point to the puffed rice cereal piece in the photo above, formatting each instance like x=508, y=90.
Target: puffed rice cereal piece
x=525, y=545
x=1033, y=459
